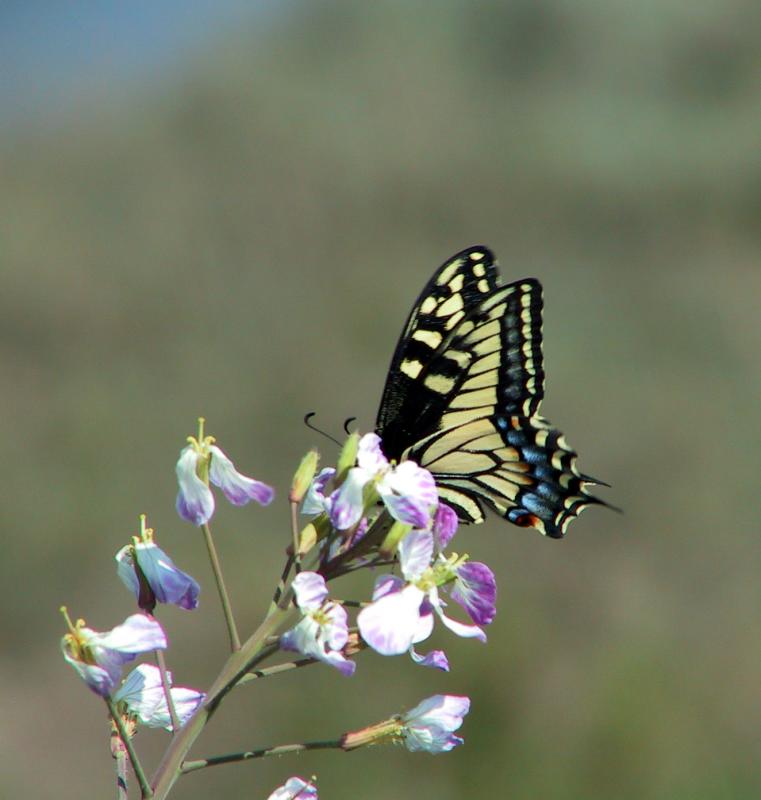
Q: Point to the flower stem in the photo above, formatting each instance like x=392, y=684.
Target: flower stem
x=145, y=788
x=295, y=531
x=161, y=663
x=223, y=596
x=266, y=672
x=281, y=583
x=119, y=752
x=237, y=665
x=374, y=536
x=232, y=758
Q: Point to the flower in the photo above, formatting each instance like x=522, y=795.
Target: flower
x=315, y=501
x=98, y=657
x=147, y=571
x=431, y=724
x=295, y=789
x=401, y=613
x=142, y=696
x=407, y=490
x=202, y=461
x=323, y=632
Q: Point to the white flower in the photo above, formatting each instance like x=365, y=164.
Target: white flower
x=143, y=695
x=99, y=657
x=323, y=631
x=202, y=461
x=431, y=724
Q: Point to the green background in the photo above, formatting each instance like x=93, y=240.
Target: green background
x=242, y=236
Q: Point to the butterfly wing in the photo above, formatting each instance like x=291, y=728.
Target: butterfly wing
x=411, y=405
x=463, y=394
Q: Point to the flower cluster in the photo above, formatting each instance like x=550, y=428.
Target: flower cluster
x=402, y=609
x=368, y=512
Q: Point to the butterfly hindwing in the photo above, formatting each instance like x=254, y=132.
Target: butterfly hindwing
x=462, y=399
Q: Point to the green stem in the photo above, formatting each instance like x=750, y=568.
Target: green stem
x=295, y=531
x=275, y=670
x=145, y=788
x=235, y=668
x=223, y=596
x=280, y=588
x=283, y=749
x=161, y=663
x=119, y=752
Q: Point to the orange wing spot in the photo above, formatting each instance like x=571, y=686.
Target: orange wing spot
x=527, y=521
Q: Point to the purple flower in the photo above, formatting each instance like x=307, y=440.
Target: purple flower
x=98, y=657
x=142, y=695
x=323, y=632
x=401, y=613
x=148, y=572
x=407, y=490
x=431, y=724
x=202, y=461
x=294, y=789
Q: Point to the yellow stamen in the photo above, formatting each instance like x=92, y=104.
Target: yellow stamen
x=69, y=624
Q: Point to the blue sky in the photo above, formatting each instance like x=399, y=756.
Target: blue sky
x=54, y=52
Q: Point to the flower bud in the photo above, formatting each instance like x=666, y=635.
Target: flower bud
x=395, y=535
x=347, y=459
x=304, y=476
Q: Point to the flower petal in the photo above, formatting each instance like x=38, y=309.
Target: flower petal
x=195, y=502
x=138, y=633
x=409, y=492
x=125, y=569
x=315, y=500
x=370, y=456
x=444, y=525
x=238, y=489
x=389, y=625
x=346, y=504
x=459, y=628
x=310, y=590
x=143, y=694
x=294, y=789
x=430, y=725
x=168, y=582
x=475, y=589
x=436, y=659
x=416, y=553
x=385, y=584
x=101, y=680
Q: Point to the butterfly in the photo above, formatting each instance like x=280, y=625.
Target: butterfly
x=462, y=399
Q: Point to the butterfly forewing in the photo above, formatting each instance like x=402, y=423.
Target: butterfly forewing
x=463, y=394
x=409, y=406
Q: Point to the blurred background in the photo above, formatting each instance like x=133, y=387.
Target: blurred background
x=228, y=209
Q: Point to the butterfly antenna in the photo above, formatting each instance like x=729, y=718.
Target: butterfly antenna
x=307, y=422
x=348, y=422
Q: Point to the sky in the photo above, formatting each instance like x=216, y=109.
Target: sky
x=53, y=54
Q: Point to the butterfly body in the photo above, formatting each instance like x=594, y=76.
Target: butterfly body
x=462, y=399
